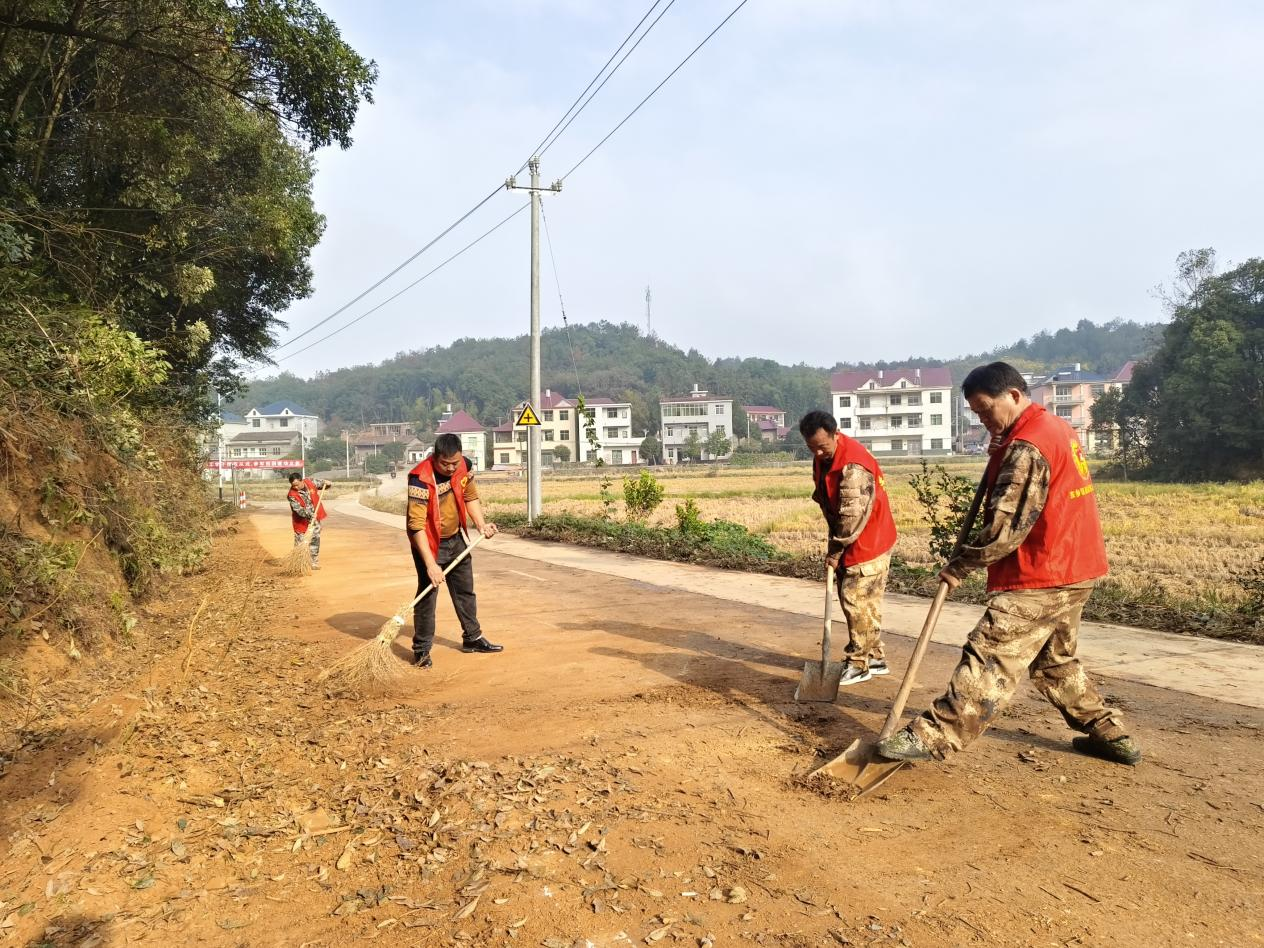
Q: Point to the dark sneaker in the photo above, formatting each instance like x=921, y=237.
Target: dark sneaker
x=1121, y=750
x=903, y=745
x=481, y=645
x=423, y=661
x=878, y=666
x=853, y=675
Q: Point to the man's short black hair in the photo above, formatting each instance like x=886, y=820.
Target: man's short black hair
x=295, y=476
x=993, y=379
x=815, y=421
x=447, y=444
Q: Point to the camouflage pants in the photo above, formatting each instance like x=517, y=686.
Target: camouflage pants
x=1032, y=631
x=315, y=529
x=860, y=589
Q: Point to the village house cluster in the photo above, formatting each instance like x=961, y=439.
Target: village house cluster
x=894, y=412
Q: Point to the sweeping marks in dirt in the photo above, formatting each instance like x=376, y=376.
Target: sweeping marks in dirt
x=627, y=772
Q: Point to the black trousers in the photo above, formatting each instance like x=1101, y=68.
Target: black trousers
x=460, y=586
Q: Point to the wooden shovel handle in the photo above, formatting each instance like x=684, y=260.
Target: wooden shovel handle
x=910, y=674
x=932, y=617
x=469, y=548
x=829, y=617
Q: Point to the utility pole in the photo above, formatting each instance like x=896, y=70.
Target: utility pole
x=219, y=437
x=649, y=328
x=533, y=432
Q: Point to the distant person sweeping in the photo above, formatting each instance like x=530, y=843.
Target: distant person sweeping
x=852, y=495
x=306, y=513
x=1041, y=542
x=442, y=499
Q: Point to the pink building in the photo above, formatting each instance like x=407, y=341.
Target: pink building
x=765, y=422
x=1070, y=393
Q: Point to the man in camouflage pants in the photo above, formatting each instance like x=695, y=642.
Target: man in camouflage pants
x=306, y=511
x=852, y=495
x=1042, y=544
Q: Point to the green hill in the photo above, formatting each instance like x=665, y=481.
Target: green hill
x=487, y=377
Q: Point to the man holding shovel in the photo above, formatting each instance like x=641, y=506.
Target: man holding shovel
x=442, y=497
x=852, y=495
x=306, y=511
x=1042, y=544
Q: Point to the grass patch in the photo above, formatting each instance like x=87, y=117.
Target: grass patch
x=731, y=546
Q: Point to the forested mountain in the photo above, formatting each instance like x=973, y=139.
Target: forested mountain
x=487, y=377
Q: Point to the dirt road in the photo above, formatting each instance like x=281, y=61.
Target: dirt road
x=631, y=770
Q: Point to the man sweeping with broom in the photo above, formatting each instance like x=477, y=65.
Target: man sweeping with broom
x=306, y=512
x=442, y=498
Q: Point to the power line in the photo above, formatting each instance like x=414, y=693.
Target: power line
x=552, y=139
x=401, y=292
x=347, y=305
x=536, y=151
x=506, y=220
x=704, y=42
x=548, y=240
x=546, y=142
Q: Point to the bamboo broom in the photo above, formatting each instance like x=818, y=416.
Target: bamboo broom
x=371, y=663
x=298, y=562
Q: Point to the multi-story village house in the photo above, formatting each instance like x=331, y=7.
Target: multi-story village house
x=460, y=423
x=270, y=434
x=559, y=427
x=700, y=413
x=612, y=424
x=895, y=412
x=1071, y=392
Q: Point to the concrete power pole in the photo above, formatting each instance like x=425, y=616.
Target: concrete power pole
x=533, y=432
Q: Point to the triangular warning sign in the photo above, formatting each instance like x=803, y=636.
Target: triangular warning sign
x=528, y=416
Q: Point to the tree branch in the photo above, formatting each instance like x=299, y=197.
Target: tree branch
x=50, y=28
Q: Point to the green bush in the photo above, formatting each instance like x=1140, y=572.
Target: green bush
x=641, y=495
x=714, y=543
x=688, y=517
x=946, y=500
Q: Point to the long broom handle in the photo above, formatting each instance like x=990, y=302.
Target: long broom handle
x=447, y=569
x=829, y=618
x=320, y=499
x=932, y=617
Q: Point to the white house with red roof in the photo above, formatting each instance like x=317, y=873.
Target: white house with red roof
x=612, y=422
x=460, y=423
x=896, y=412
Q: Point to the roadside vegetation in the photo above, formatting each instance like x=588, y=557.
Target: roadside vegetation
x=155, y=216
x=1184, y=558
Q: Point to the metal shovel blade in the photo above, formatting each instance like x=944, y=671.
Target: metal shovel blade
x=819, y=681
x=860, y=767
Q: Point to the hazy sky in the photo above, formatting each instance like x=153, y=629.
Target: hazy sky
x=826, y=180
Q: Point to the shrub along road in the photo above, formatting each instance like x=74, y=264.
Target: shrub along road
x=631, y=770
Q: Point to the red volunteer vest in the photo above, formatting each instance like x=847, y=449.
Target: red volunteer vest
x=1065, y=546
x=878, y=536
x=424, y=472
x=299, y=524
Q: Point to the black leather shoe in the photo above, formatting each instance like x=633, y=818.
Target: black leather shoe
x=423, y=661
x=481, y=645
